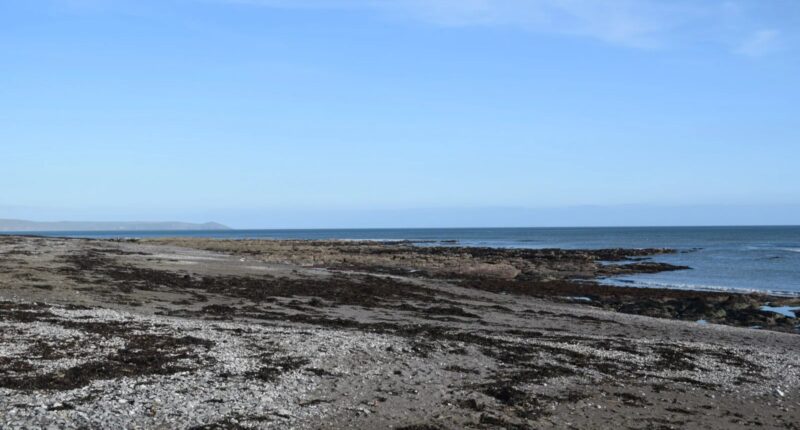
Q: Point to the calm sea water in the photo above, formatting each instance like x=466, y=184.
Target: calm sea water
x=738, y=258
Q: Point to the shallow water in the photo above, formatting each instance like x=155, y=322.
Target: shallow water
x=787, y=311
x=738, y=258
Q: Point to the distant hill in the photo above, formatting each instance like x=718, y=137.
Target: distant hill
x=29, y=226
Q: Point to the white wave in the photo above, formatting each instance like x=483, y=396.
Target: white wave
x=771, y=248
x=696, y=287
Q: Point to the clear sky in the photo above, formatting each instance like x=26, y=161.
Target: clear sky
x=349, y=113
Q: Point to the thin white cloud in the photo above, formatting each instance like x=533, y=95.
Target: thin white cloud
x=637, y=23
x=741, y=26
x=760, y=43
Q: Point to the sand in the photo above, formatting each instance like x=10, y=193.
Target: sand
x=292, y=334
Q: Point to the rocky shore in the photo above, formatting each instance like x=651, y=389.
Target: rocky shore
x=213, y=334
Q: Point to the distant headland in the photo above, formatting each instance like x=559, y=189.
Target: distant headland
x=35, y=226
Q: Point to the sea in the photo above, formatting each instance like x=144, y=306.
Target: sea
x=744, y=259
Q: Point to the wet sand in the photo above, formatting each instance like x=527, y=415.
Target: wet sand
x=195, y=333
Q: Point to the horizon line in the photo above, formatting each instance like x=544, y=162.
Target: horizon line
x=32, y=232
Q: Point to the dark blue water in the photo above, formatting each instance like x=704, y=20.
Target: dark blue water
x=739, y=258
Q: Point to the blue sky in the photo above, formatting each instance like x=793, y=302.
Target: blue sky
x=349, y=113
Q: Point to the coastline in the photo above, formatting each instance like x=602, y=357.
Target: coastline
x=510, y=270
x=739, y=259
x=196, y=333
